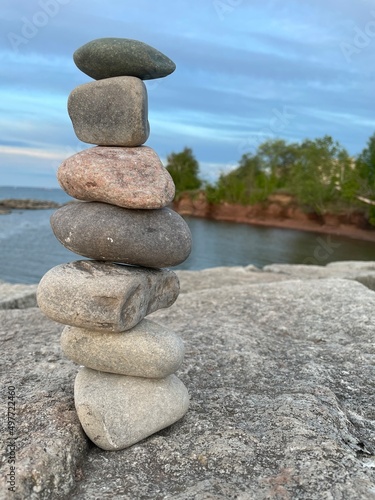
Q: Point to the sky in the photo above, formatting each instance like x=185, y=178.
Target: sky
x=247, y=71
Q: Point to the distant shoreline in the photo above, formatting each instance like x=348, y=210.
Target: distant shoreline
x=278, y=216
x=9, y=204
x=199, y=207
x=346, y=231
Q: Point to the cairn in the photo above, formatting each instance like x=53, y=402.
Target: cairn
x=126, y=388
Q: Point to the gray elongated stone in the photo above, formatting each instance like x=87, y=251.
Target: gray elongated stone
x=104, y=297
x=150, y=238
x=111, y=112
x=117, y=411
x=125, y=177
x=147, y=350
x=109, y=57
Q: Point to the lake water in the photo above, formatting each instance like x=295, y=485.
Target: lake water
x=28, y=248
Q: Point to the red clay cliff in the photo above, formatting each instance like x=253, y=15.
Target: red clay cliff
x=279, y=211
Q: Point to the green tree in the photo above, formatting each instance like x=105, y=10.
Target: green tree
x=246, y=184
x=348, y=184
x=257, y=175
x=277, y=159
x=365, y=167
x=184, y=170
x=317, y=174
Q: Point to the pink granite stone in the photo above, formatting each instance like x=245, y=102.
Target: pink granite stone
x=126, y=177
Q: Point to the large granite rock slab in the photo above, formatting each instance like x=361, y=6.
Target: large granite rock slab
x=109, y=57
x=352, y=265
x=217, y=277
x=110, y=112
x=150, y=238
x=282, y=402
x=125, y=177
x=17, y=296
x=281, y=384
x=147, y=350
x=104, y=297
x=361, y=271
x=117, y=411
x=50, y=443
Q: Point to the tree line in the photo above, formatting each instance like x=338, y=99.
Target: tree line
x=320, y=175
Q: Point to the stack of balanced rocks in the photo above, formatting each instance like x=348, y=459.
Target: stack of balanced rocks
x=126, y=389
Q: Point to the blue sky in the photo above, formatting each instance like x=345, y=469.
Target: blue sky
x=247, y=70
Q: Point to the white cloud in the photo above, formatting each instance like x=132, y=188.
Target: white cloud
x=231, y=74
x=34, y=153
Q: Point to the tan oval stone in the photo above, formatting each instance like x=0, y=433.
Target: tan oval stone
x=117, y=411
x=110, y=112
x=126, y=177
x=104, y=297
x=147, y=350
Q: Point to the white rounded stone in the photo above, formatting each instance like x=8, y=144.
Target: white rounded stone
x=117, y=411
x=147, y=350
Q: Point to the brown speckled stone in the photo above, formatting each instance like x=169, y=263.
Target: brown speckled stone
x=126, y=177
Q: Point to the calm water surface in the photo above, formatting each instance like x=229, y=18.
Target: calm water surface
x=228, y=244
x=28, y=248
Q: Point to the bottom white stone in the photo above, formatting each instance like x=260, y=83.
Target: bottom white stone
x=117, y=411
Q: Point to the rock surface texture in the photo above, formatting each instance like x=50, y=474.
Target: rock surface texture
x=281, y=378
x=125, y=177
x=111, y=112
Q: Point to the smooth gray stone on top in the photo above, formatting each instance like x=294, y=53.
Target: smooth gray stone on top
x=147, y=350
x=104, y=297
x=150, y=238
x=117, y=411
x=108, y=57
x=111, y=112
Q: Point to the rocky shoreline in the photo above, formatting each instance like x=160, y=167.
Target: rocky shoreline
x=279, y=368
x=7, y=205
x=279, y=212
